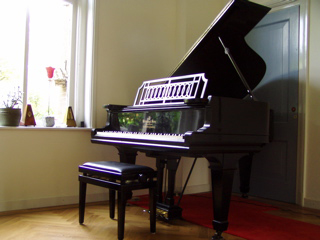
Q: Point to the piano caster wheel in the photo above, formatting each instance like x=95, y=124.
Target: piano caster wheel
x=217, y=236
x=244, y=195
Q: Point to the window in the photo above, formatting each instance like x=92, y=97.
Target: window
x=12, y=25
x=42, y=35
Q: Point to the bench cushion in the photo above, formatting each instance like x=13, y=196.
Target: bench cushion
x=118, y=167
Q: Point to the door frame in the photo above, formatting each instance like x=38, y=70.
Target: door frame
x=303, y=78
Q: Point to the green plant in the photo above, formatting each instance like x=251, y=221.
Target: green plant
x=12, y=98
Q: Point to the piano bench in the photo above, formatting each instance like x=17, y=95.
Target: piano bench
x=120, y=177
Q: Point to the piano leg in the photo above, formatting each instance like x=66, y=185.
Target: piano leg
x=245, y=164
x=127, y=155
x=160, y=163
x=166, y=209
x=222, y=180
x=172, y=166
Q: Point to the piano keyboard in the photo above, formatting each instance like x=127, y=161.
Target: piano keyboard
x=140, y=135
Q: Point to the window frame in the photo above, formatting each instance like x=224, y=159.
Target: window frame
x=80, y=82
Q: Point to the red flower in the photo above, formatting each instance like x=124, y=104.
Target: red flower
x=50, y=71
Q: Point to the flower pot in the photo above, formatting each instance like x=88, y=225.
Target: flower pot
x=49, y=121
x=10, y=116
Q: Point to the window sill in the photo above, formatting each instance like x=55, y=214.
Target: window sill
x=33, y=128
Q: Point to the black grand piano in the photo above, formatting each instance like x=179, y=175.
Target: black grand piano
x=204, y=108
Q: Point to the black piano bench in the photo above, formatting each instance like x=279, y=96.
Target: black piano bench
x=121, y=177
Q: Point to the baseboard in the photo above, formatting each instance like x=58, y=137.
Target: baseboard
x=197, y=189
x=49, y=202
x=310, y=203
x=66, y=200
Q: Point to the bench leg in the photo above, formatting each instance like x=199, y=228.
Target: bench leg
x=82, y=200
x=112, y=202
x=122, y=201
x=152, y=208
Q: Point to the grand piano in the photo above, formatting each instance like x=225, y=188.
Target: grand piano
x=205, y=108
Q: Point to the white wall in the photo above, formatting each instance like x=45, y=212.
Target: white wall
x=136, y=40
x=39, y=167
x=312, y=151
x=142, y=40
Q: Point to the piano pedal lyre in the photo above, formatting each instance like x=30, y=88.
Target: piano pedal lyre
x=162, y=214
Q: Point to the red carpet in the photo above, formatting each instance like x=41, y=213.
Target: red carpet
x=247, y=219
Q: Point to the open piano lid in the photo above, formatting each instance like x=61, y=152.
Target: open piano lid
x=208, y=56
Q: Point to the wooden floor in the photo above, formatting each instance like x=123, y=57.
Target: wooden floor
x=61, y=223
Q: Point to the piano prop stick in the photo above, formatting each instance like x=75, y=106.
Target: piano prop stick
x=236, y=67
x=204, y=109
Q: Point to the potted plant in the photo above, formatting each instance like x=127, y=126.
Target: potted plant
x=10, y=115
